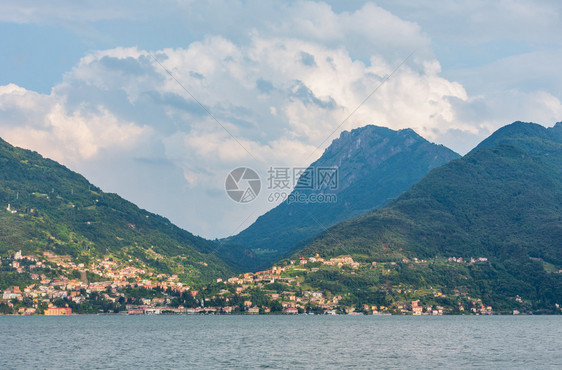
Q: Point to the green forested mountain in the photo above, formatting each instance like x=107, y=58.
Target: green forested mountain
x=54, y=209
x=374, y=165
x=502, y=201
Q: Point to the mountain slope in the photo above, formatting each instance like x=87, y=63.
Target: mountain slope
x=502, y=201
x=54, y=209
x=374, y=164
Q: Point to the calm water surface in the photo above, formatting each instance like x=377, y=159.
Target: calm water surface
x=127, y=342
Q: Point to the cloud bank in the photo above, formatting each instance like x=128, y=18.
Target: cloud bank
x=277, y=94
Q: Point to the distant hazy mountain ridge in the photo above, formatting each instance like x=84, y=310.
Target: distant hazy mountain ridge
x=375, y=165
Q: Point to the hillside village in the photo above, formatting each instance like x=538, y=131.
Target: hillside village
x=54, y=285
x=90, y=252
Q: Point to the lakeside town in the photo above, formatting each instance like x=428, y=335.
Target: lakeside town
x=54, y=285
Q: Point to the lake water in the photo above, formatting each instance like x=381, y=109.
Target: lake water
x=127, y=342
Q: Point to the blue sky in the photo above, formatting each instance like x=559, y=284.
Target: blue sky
x=78, y=83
